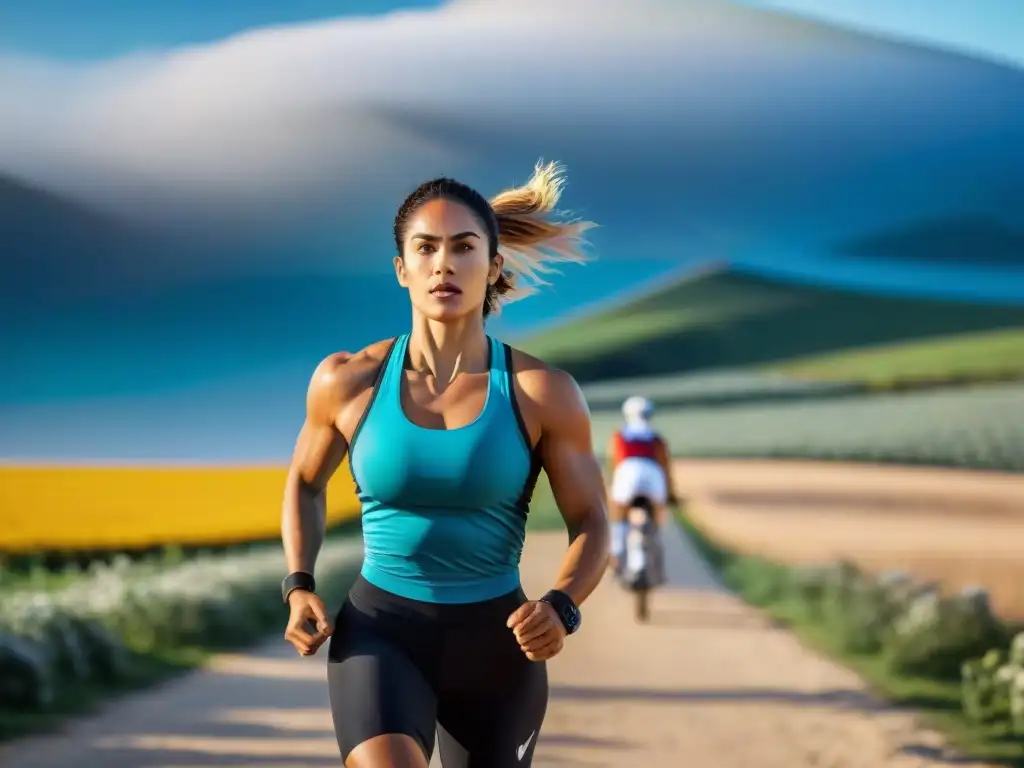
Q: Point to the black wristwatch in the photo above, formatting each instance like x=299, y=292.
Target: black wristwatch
x=297, y=580
x=566, y=609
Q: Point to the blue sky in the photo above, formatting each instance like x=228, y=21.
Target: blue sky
x=91, y=29
x=95, y=29
x=993, y=28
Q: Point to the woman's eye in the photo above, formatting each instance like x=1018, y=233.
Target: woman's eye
x=425, y=248
x=465, y=247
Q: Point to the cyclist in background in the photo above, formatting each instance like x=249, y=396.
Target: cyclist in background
x=639, y=463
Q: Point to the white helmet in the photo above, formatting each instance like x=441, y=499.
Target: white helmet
x=637, y=408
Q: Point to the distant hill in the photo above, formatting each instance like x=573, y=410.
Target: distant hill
x=964, y=241
x=733, y=318
x=53, y=246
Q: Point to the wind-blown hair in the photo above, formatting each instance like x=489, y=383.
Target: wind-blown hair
x=522, y=225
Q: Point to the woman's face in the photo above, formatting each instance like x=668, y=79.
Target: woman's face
x=445, y=261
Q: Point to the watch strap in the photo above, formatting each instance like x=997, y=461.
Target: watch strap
x=297, y=580
x=567, y=610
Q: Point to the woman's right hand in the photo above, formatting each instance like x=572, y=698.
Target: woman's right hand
x=308, y=626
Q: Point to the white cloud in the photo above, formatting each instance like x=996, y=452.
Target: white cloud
x=301, y=107
x=722, y=115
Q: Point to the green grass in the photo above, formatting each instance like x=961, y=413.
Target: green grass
x=36, y=578
x=713, y=388
x=969, y=355
x=51, y=569
x=544, y=514
x=938, y=702
x=728, y=319
x=979, y=427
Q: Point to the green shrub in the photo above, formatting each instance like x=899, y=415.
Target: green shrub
x=1017, y=702
x=840, y=581
x=986, y=688
x=992, y=687
x=25, y=674
x=1013, y=673
x=807, y=588
x=865, y=623
x=936, y=635
x=88, y=630
x=759, y=581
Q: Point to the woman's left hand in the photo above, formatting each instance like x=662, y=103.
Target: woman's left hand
x=538, y=630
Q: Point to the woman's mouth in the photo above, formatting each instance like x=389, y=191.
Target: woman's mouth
x=445, y=291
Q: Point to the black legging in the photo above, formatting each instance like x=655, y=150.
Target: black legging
x=405, y=667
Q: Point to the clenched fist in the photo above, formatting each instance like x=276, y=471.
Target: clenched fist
x=308, y=626
x=538, y=630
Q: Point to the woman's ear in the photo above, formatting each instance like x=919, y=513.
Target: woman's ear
x=497, y=265
x=400, y=271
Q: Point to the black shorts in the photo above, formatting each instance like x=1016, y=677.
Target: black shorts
x=407, y=667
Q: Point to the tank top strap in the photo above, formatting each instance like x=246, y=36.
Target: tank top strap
x=391, y=381
x=502, y=380
x=501, y=374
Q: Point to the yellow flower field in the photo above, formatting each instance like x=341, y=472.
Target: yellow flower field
x=67, y=508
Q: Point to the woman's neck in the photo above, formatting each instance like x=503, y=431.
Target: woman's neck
x=444, y=350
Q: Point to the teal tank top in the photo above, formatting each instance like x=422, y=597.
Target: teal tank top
x=443, y=510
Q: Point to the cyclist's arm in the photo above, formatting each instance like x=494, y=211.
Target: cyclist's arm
x=664, y=459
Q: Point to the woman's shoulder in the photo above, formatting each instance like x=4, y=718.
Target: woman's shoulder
x=343, y=375
x=544, y=383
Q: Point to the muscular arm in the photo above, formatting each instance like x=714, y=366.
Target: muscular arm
x=610, y=457
x=319, y=451
x=568, y=457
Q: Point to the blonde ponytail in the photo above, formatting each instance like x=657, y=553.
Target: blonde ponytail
x=530, y=239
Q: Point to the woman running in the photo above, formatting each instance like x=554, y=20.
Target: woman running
x=447, y=430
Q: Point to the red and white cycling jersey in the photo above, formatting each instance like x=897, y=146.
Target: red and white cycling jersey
x=635, y=451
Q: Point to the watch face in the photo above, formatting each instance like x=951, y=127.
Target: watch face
x=572, y=618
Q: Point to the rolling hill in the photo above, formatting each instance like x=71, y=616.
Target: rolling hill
x=55, y=246
x=960, y=241
x=735, y=318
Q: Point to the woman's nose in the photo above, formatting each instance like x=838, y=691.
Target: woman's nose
x=442, y=262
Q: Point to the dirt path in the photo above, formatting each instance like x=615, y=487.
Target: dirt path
x=708, y=684
x=847, y=488
x=959, y=527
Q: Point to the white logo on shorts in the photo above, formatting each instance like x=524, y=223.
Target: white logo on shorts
x=521, y=749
